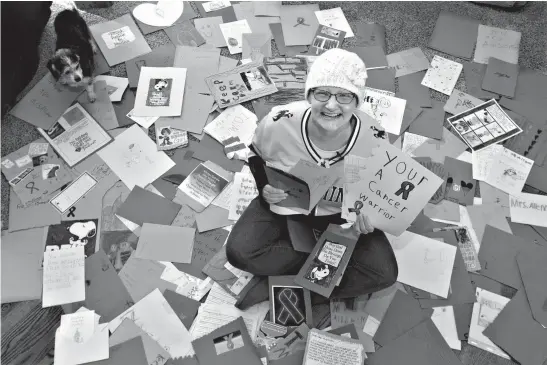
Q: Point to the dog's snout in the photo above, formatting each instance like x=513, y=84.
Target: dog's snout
x=77, y=78
x=91, y=233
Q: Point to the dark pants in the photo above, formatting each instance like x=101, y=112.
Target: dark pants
x=260, y=244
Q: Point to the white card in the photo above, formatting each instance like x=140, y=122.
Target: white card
x=74, y=192
x=133, y=156
x=499, y=43
x=442, y=75
x=216, y=5
x=244, y=191
x=336, y=19
x=118, y=37
x=528, y=209
x=115, y=86
x=160, y=92
x=424, y=263
x=144, y=122
x=482, y=161
x=64, y=276
x=509, y=171
x=386, y=110
x=38, y=149
x=78, y=326
x=236, y=121
x=233, y=34
x=408, y=61
x=68, y=352
x=459, y=102
x=444, y=320
x=156, y=317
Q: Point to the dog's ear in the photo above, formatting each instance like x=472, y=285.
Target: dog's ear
x=51, y=67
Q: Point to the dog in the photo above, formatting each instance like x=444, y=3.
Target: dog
x=73, y=63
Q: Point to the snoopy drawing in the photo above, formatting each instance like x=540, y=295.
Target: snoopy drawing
x=318, y=273
x=83, y=231
x=161, y=84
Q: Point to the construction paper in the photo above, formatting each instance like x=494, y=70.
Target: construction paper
x=423, y=344
x=45, y=102
x=163, y=56
x=496, y=42
x=444, y=320
x=301, y=235
x=123, y=108
x=528, y=209
x=119, y=39
x=386, y=110
x=455, y=35
x=509, y=171
x=299, y=23
x=334, y=18
x=424, y=262
x=530, y=346
x=210, y=30
x=210, y=150
x=371, y=34
x=95, y=349
x=223, y=9
x=283, y=291
x=101, y=66
x=459, y=102
x=528, y=232
x=129, y=330
x=460, y=187
x=229, y=344
x=532, y=271
x=412, y=111
x=200, y=63
x=245, y=10
x=284, y=50
x=411, y=89
x=101, y=109
x=323, y=348
x=32, y=214
x=68, y=264
x=408, y=61
x=374, y=56
x=184, y=34
x=497, y=255
x=267, y=8
x=256, y=46
x=213, y=217
x=185, y=308
x=187, y=13
x=403, y=314
x=326, y=38
x=244, y=191
x=142, y=206
x=168, y=183
x=449, y=145
x=115, y=87
x=233, y=33
x=487, y=214
x=165, y=243
x=388, y=172
x=474, y=74
x=22, y=254
x=133, y=156
x=531, y=142
x=501, y=77
x=160, y=92
x=430, y=122
x=442, y=75
x=445, y=210
x=206, y=245
x=73, y=233
x=195, y=109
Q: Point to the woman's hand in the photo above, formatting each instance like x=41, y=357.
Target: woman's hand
x=273, y=195
x=362, y=224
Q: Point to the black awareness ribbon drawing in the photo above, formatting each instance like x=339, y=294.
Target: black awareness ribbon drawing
x=356, y=207
x=288, y=299
x=301, y=21
x=71, y=212
x=30, y=186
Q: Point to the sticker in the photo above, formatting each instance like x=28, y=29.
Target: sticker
x=159, y=92
x=7, y=163
x=21, y=176
x=25, y=160
x=37, y=149
x=230, y=342
x=216, y=5
x=74, y=192
x=118, y=37
x=49, y=171
x=241, y=283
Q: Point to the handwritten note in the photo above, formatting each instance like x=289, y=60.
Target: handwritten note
x=529, y=209
x=442, y=75
x=500, y=43
x=64, y=276
x=244, y=191
x=509, y=171
x=459, y=102
x=408, y=61
x=326, y=349
x=236, y=121
x=483, y=159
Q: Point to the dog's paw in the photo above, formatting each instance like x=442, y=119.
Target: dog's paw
x=92, y=97
x=94, y=47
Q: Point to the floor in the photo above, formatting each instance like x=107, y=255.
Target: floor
x=28, y=330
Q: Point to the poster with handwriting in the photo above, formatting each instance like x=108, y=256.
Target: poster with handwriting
x=391, y=191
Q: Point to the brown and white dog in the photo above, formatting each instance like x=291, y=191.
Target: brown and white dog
x=73, y=63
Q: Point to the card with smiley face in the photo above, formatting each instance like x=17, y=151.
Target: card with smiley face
x=460, y=185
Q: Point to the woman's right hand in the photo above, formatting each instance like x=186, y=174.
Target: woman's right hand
x=273, y=195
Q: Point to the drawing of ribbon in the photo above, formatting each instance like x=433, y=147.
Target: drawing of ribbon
x=356, y=207
x=71, y=212
x=229, y=342
x=31, y=187
x=289, y=300
x=301, y=21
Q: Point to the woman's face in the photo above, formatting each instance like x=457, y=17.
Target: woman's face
x=331, y=115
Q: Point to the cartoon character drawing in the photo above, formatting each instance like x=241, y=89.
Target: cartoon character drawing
x=161, y=84
x=319, y=273
x=83, y=231
x=166, y=137
x=132, y=156
x=378, y=133
x=282, y=113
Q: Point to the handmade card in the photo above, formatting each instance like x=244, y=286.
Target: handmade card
x=74, y=192
x=336, y=19
x=160, y=92
x=529, y=209
x=459, y=102
x=531, y=142
x=391, y=191
x=380, y=77
x=234, y=122
x=45, y=102
x=532, y=271
x=184, y=34
x=474, y=74
x=284, y=50
x=185, y=308
x=162, y=56
x=371, y=34
x=328, y=261
x=165, y=243
x=195, y=110
x=63, y=276
x=411, y=89
x=243, y=83
x=142, y=206
x=454, y=34
x=168, y=137
x=209, y=28
x=75, y=233
x=243, y=193
x=221, y=8
x=423, y=262
x=267, y=8
x=386, y=110
x=324, y=348
x=326, y=38
x=460, y=185
x=233, y=33
x=200, y=63
x=119, y=39
x=484, y=125
x=245, y=10
x=442, y=75
x=203, y=185
x=509, y=171
x=501, y=77
x=133, y=156
x=115, y=86
x=72, y=349
x=304, y=184
x=430, y=121
x=290, y=304
x=76, y=135
x=500, y=43
x=299, y=24
x=256, y=46
x=408, y=61
x=141, y=276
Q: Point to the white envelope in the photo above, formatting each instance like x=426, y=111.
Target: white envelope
x=67, y=352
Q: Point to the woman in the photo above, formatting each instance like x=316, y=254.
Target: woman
x=322, y=129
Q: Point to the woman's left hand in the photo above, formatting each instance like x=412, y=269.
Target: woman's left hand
x=362, y=224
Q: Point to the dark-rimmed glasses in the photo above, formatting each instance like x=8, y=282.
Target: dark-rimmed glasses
x=323, y=96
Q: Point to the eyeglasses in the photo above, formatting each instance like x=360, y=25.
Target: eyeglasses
x=342, y=98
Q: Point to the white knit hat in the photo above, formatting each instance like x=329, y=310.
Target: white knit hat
x=338, y=68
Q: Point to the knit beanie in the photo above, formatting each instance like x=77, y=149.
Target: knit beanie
x=338, y=68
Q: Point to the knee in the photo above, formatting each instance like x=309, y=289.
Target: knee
x=389, y=268
x=235, y=251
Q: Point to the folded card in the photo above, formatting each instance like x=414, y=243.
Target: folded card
x=160, y=92
x=143, y=206
x=299, y=23
x=233, y=34
x=496, y=42
x=501, y=77
x=408, y=61
x=209, y=28
x=165, y=243
x=442, y=75
x=528, y=209
x=454, y=34
x=334, y=18
x=326, y=38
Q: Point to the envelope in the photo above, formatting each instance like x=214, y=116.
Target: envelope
x=68, y=352
x=256, y=46
x=185, y=308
